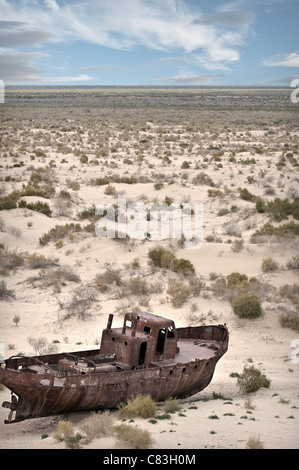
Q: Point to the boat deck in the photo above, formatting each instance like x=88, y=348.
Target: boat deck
x=190, y=350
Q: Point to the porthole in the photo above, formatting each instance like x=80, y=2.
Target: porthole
x=170, y=372
x=184, y=369
x=113, y=339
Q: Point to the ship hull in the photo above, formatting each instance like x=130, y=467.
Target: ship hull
x=46, y=394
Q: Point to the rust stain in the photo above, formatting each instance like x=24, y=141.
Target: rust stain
x=147, y=355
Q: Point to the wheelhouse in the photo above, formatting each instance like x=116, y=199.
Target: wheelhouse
x=144, y=338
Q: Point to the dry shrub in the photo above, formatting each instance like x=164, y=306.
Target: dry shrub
x=171, y=405
x=142, y=406
x=10, y=260
x=4, y=291
x=110, y=190
x=105, y=280
x=80, y=303
x=55, y=277
x=178, y=291
x=254, y=442
x=290, y=292
x=64, y=429
x=289, y=320
x=195, y=285
x=36, y=261
x=137, y=286
x=237, y=284
x=65, y=432
x=59, y=232
x=269, y=265
x=203, y=179
x=132, y=436
x=74, y=185
x=96, y=426
x=219, y=287
x=237, y=245
x=41, y=345
x=293, y=263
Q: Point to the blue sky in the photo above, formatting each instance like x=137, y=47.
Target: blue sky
x=149, y=42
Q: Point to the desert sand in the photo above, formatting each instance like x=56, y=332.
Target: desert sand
x=218, y=149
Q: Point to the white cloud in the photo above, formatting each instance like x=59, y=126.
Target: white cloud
x=77, y=78
x=17, y=33
x=169, y=26
x=15, y=67
x=287, y=60
x=52, y=4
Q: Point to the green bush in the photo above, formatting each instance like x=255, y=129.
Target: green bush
x=158, y=185
x=165, y=259
x=84, y=159
x=289, y=230
x=39, y=206
x=280, y=209
x=183, y=266
x=161, y=257
x=247, y=195
x=252, y=380
x=260, y=206
x=236, y=278
x=10, y=201
x=247, y=306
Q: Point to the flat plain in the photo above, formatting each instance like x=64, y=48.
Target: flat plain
x=66, y=150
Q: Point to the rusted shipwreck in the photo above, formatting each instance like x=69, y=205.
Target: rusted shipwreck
x=147, y=355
